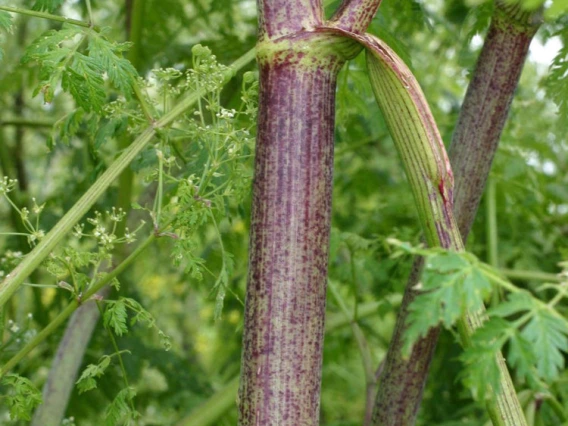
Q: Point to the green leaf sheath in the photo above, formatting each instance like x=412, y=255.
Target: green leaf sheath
x=418, y=142
x=473, y=146
x=422, y=152
x=13, y=280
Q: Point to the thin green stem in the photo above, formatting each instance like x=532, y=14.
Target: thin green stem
x=159, y=195
x=48, y=16
x=143, y=104
x=24, y=122
x=548, y=306
x=90, y=11
x=58, y=232
x=518, y=274
x=492, y=234
x=357, y=333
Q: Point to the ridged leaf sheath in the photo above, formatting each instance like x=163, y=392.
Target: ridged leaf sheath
x=475, y=140
x=424, y=158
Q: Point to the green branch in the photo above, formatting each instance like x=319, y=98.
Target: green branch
x=49, y=16
x=23, y=122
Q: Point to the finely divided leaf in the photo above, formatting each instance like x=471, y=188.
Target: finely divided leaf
x=120, y=71
x=452, y=286
x=88, y=381
x=115, y=316
x=119, y=411
x=549, y=338
x=557, y=85
x=83, y=76
x=53, y=51
x=83, y=79
x=5, y=25
x=5, y=21
x=47, y=5
x=23, y=398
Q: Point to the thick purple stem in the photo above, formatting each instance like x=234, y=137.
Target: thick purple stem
x=278, y=18
x=285, y=304
x=473, y=147
x=355, y=15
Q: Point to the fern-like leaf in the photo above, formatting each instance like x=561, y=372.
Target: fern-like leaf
x=115, y=316
x=23, y=399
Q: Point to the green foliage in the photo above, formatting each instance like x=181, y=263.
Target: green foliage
x=115, y=317
x=535, y=333
x=452, y=284
x=60, y=59
x=120, y=411
x=22, y=398
x=47, y=5
x=5, y=21
x=5, y=26
x=88, y=379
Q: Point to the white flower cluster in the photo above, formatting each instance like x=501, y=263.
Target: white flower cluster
x=7, y=185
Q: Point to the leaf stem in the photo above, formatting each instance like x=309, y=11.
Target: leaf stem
x=492, y=238
x=23, y=122
x=48, y=16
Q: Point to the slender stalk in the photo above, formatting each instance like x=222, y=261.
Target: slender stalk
x=364, y=350
x=517, y=274
x=492, y=238
x=7, y=165
x=216, y=405
x=23, y=122
x=65, y=365
x=475, y=140
x=49, y=16
x=58, y=232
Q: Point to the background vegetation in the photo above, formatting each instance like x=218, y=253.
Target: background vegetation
x=192, y=183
